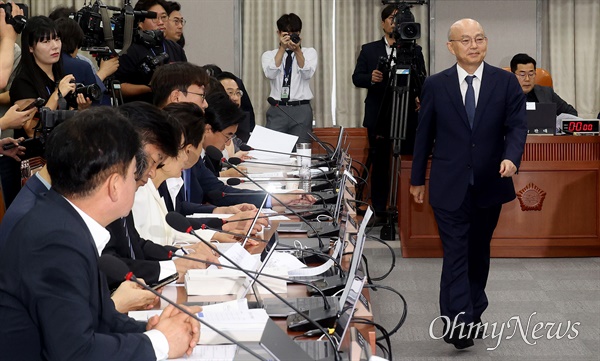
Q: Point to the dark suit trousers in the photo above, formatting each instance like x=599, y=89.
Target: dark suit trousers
x=380, y=154
x=466, y=234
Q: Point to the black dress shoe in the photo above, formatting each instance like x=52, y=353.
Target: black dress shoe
x=459, y=342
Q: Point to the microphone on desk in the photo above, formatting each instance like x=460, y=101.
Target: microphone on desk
x=245, y=175
x=312, y=135
x=217, y=194
x=238, y=181
x=247, y=148
x=117, y=269
x=180, y=223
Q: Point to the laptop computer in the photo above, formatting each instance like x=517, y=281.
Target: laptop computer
x=541, y=118
x=254, y=220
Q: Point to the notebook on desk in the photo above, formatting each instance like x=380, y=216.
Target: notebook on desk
x=541, y=118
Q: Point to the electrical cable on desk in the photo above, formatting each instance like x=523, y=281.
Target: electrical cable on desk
x=387, y=351
x=393, y=254
x=364, y=168
x=404, y=311
x=327, y=218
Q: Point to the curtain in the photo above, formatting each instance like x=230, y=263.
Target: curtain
x=259, y=34
x=573, y=52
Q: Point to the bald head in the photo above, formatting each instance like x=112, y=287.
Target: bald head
x=458, y=27
x=468, y=43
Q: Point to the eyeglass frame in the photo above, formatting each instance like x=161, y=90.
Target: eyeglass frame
x=178, y=21
x=228, y=139
x=524, y=75
x=480, y=39
x=203, y=95
x=164, y=18
x=238, y=93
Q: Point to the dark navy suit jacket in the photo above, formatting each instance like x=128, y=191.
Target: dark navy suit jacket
x=499, y=132
x=54, y=302
x=27, y=197
x=203, y=181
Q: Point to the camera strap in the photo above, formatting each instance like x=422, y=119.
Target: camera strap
x=106, y=28
x=129, y=18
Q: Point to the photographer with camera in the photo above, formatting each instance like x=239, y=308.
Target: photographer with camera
x=149, y=50
x=289, y=69
x=372, y=72
x=38, y=75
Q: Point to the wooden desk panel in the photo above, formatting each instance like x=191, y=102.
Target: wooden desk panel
x=556, y=213
x=355, y=137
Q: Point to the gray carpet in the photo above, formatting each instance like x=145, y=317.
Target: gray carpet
x=558, y=290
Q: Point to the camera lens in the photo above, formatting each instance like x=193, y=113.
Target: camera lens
x=295, y=38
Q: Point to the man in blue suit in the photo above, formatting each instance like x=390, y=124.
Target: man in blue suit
x=54, y=301
x=473, y=117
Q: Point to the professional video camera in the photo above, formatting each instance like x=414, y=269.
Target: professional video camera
x=92, y=19
x=18, y=22
x=48, y=120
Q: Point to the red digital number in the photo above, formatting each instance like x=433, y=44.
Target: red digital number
x=587, y=127
x=572, y=126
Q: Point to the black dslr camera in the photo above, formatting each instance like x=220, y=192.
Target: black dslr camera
x=383, y=65
x=91, y=91
x=150, y=63
x=18, y=22
x=295, y=37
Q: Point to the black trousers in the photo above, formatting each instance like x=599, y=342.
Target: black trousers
x=466, y=234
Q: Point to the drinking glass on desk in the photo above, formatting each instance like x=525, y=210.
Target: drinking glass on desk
x=304, y=149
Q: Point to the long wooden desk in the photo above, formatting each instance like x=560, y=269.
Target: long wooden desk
x=556, y=213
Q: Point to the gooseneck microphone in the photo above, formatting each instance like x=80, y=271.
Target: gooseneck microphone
x=180, y=223
x=238, y=181
x=312, y=135
x=247, y=148
x=117, y=269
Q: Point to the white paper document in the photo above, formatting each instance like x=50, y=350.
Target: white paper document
x=211, y=353
x=313, y=271
x=267, y=139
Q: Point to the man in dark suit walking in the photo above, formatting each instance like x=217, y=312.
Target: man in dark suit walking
x=367, y=74
x=473, y=117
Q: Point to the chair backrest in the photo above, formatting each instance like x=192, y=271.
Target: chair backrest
x=542, y=76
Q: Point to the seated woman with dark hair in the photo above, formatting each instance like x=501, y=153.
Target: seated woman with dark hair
x=38, y=75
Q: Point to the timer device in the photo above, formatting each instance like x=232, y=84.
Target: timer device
x=581, y=126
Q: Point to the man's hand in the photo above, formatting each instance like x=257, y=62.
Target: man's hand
x=418, y=193
x=232, y=172
x=197, y=251
x=182, y=331
x=83, y=103
x=376, y=76
x=131, y=296
x=6, y=30
x=242, y=226
x=15, y=119
x=108, y=68
x=297, y=197
x=507, y=168
x=235, y=209
x=13, y=152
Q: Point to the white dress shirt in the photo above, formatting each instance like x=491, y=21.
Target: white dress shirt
x=300, y=89
x=462, y=74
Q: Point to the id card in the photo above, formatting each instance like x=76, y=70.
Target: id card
x=285, y=92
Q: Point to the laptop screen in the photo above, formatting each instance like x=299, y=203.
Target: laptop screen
x=255, y=219
x=347, y=310
x=541, y=118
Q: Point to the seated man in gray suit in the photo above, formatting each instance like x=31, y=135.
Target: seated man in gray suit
x=523, y=66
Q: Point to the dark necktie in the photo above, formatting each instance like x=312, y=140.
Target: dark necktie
x=128, y=239
x=287, y=69
x=186, y=183
x=470, y=100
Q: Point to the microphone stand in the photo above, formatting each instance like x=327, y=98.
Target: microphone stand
x=180, y=218
x=131, y=277
x=280, y=202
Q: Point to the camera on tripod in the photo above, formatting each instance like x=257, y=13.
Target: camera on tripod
x=405, y=27
x=90, y=20
x=18, y=22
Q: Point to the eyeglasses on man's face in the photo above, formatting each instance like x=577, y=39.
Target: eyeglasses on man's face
x=237, y=93
x=479, y=40
x=229, y=138
x=525, y=74
x=160, y=19
x=178, y=21
x=201, y=95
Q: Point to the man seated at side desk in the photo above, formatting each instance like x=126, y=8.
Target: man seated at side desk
x=523, y=66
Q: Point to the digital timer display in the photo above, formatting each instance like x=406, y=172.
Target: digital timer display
x=581, y=126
